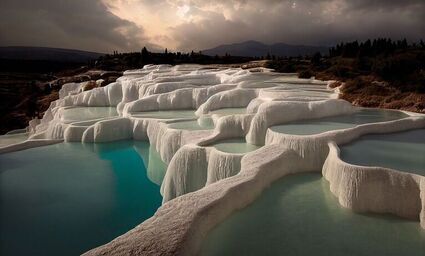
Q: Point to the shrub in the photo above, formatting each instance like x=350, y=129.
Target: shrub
x=353, y=85
x=305, y=74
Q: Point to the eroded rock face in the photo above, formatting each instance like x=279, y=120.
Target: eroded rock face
x=373, y=189
x=203, y=184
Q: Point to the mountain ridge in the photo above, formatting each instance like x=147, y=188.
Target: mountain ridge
x=252, y=48
x=47, y=54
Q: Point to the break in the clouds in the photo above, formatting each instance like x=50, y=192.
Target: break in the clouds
x=106, y=25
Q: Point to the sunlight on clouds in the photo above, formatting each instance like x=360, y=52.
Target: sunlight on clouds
x=158, y=18
x=155, y=20
x=185, y=25
x=182, y=11
x=199, y=24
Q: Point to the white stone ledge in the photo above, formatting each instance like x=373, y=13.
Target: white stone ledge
x=33, y=143
x=180, y=225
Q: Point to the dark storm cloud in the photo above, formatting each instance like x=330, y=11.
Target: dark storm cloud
x=384, y=4
x=318, y=22
x=81, y=24
x=89, y=24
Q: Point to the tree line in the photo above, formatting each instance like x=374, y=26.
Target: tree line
x=123, y=61
x=372, y=48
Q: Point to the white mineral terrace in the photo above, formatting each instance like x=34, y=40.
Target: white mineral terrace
x=226, y=135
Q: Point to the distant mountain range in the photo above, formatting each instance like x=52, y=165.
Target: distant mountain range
x=258, y=49
x=47, y=54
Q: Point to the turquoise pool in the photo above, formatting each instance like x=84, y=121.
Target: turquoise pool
x=236, y=146
x=404, y=151
x=77, y=114
x=228, y=111
x=166, y=114
x=298, y=215
x=202, y=123
x=67, y=198
x=315, y=126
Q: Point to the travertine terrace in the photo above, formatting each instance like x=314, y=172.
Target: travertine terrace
x=203, y=185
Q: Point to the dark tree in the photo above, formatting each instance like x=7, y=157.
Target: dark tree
x=316, y=60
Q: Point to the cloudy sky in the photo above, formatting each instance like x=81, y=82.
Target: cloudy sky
x=107, y=25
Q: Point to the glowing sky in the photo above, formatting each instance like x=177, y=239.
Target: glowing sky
x=107, y=25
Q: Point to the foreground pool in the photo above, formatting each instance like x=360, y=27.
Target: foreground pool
x=67, y=198
x=298, y=215
x=404, y=151
x=315, y=126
